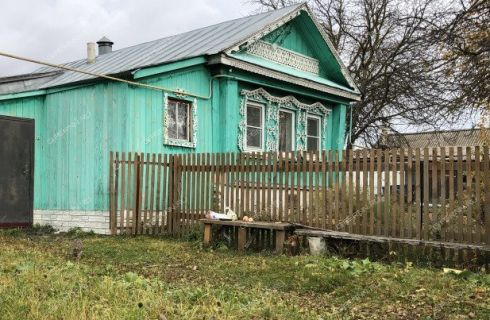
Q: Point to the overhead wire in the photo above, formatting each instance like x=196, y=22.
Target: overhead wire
x=99, y=75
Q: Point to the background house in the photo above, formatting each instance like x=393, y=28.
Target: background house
x=267, y=82
x=439, y=145
x=434, y=139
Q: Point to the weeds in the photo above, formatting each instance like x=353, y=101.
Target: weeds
x=161, y=278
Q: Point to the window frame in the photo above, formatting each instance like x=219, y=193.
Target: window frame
x=262, y=126
x=189, y=120
x=319, y=119
x=190, y=141
x=293, y=129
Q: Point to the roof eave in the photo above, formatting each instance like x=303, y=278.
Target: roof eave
x=246, y=66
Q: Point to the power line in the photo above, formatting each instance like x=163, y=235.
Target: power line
x=133, y=83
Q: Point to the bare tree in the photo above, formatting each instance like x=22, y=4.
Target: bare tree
x=393, y=50
x=466, y=37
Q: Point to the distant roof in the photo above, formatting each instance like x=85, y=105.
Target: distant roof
x=204, y=41
x=434, y=139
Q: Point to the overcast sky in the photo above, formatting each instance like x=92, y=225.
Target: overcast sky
x=58, y=30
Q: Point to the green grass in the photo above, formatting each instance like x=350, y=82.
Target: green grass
x=161, y=278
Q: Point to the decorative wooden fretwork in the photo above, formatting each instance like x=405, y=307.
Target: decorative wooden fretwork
x=284, y=56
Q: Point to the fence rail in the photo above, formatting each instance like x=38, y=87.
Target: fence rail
x=440, y=194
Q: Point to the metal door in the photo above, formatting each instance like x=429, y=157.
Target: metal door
x=16, y=171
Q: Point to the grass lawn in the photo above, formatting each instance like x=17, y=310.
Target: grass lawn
x=160, y=278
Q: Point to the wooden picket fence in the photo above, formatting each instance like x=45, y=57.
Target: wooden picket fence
x=439, y=194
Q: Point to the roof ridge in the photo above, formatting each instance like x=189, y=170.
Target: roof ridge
x=286, y=8
x=211, y=25
x=436, y=131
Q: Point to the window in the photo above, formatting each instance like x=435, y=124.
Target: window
x=179, y=123
x=313, y=133
x=286, y=130
x=255, y=126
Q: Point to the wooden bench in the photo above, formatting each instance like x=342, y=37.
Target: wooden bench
x=280, y=229
x=329, y=234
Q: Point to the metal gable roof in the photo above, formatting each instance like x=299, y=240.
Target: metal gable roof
x=204, y=41
x=434, y=139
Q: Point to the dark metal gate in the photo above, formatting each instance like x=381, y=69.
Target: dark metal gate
x=16, y=171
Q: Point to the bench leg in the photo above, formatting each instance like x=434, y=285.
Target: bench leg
x=242, y=238
x=208, y=234
x=280, y=238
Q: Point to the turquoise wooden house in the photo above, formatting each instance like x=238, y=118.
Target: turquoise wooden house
x=268, y=82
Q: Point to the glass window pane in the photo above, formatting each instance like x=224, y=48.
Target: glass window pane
x=312, y=144
x=254, y=116
x=285, y=131
x=182, y=126
x=172, y=121
x=313, y=127
x=254, y=137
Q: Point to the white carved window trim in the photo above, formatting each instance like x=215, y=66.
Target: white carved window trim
x=319, y=128
x=293, y=128
x=273, y=104
x=260, y=106
x=192, y=118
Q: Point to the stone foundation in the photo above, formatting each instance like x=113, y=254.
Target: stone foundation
x=96, y=221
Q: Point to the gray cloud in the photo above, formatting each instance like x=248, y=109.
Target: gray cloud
x=58, y=30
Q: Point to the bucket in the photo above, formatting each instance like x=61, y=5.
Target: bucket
x=317, y=245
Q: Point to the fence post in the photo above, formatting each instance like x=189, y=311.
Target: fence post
x=112, y=212
x=486, y=211
x=136, y=193
x=174, y=194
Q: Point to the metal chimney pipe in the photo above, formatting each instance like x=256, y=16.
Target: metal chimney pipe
x=91, y=52
x=105, y=45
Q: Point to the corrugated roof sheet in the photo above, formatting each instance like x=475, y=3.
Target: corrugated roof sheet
x=204, y=41
x=455, y=138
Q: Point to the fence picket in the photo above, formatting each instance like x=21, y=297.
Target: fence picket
x=364, y=214
x=351, y=172
x=393, y=198
x=426, y=209
x=343, y=189
x=386, y=194
x=280, y=187
x=112, y=192
x=477, y=220
x=164, y=199
x=433, y=216
x=401, y=193
x=469, y=193
x=287, y=187
x=486, y=187
x=331, y=194
x=371, y=191
x=460, y=197
x=158, y=207
x=304, y=212
x=152, y=193
x=122, y=207
x=310, y=207
x=129, y=213
x=450, y=218
x=410, y=198
x=336, y=181
x=379, y=196
x=442, y=211
x=318, y=188
x=418, y=195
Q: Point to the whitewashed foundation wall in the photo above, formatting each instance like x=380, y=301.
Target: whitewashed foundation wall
x=96, y=221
